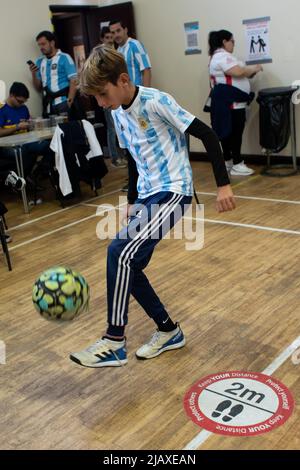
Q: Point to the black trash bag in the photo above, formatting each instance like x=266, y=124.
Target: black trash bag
x=274, y=118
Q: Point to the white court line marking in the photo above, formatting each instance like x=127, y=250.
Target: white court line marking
x=99, y=213
x=118, y=190
x=61, y=210
x=220, y=222
x=285, y=201
x=51, y=232
x=236, y=224
x=91, y=205
x=118, y=208
x=204, y=435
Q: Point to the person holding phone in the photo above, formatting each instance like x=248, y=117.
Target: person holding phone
x=55, y=74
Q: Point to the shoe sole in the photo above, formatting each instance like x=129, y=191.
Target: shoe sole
x=97, y=366
x=167, y=348
x=233, y=173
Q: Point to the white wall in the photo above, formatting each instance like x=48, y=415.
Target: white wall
x=20, y=22
x=160, y=26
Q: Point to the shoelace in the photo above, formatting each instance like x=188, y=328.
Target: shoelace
x=155, y=338
x=99, y=344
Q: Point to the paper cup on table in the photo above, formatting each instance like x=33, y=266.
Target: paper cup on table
x=38, y=124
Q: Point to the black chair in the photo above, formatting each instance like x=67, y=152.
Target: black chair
x=4, y=242
x=43, y=169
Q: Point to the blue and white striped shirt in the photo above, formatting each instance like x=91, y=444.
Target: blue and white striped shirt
x=136, y=58
x=152, y=129
x=56, y=73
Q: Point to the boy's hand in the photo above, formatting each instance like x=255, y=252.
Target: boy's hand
x=225, y=199
x=126, y=214
x=22, y=126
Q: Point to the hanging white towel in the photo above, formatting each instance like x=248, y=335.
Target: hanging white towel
x=95, y=147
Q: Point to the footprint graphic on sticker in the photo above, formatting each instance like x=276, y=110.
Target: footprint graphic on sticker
x=221, y=407
x=235, y=410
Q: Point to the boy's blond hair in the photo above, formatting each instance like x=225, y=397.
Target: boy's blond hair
x=104, y=65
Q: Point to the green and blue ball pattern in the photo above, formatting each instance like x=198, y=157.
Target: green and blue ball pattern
x=60, y=294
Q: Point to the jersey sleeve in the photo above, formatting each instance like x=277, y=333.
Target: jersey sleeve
x=141, y=56
x=2, y=118
x=169, y=110
x=227, y=61
x=70, y=67
x=27, y=113
x=120, y=134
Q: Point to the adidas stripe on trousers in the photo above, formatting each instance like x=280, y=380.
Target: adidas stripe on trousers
x=131, y=251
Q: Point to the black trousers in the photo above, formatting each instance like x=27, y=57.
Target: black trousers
x=233, y=143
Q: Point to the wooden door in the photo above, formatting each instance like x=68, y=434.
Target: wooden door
x=100, y=17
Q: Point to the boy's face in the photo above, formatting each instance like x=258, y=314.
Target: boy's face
x=108, y=39
x=17, y=101
x=113, y=96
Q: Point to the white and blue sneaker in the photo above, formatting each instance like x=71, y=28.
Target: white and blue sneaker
x=14, y=181
x=104, y=353
x=161, y=342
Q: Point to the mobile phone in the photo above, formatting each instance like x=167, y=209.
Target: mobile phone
x=29, y=62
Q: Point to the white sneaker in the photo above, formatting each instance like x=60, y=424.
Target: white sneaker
x=8, y=238
x=119, y=164
x=241, y=170
x=229, y=165
x=103, y=353
x=15, y=181
x=160, y=342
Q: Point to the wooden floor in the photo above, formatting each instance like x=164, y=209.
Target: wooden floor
x=237, y=301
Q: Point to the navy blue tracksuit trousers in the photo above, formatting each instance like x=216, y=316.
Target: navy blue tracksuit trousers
x=131, y=251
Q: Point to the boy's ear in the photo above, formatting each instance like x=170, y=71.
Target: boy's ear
x=124, y=79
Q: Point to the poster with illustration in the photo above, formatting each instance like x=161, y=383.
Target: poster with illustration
x=257, y=40
x=79, y=56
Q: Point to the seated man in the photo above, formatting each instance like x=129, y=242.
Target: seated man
x=14, y=119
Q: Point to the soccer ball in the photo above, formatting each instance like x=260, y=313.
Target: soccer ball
x=60, y=294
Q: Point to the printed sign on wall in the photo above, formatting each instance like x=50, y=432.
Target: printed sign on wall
x=192, y=38
x=257, y=40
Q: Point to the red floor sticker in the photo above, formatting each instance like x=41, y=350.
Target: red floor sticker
x=239, y=403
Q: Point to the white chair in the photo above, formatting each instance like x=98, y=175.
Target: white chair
x=2, y=91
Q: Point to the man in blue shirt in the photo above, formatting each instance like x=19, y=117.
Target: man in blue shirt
x=14, y=117
x=136, y=57
x=107, y=38
x=55, y=74
x=134, y=52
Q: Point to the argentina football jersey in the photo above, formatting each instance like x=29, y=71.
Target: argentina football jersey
x=152, y=130
x=55, y=73
x=136, y=58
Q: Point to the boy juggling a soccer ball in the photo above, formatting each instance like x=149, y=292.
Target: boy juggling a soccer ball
x=151, y=126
